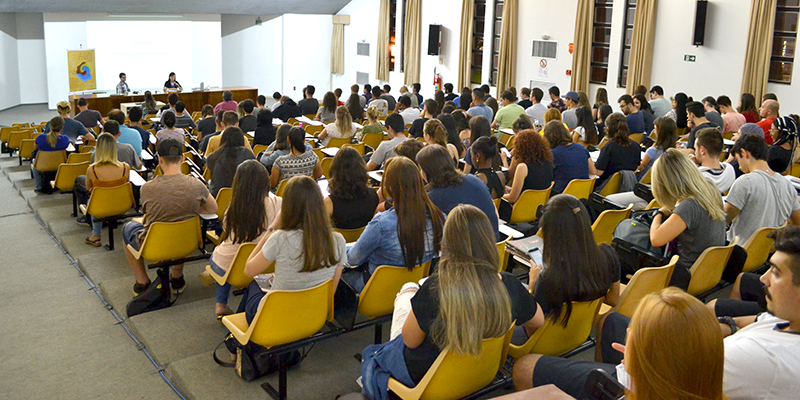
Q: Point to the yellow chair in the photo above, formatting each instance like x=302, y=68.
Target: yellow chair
x=351, y=235
x=65, y=180
x=284, y=316
x=372, y=140
x=338, y=142
x=26, y=149
x=502, y=254
x=325, y=164
x=795, y=170
x=653, y=204
x=636, y=137
x=758, y=247
x=259, y=148
x=612, y=186
x=110, y=204
x=169, y=242
x=292, y=121
x=555, y=339
x=319, y=153
x=646, y=179
x=453, y=376
x=223, y=200
x=360, y=148
x=48, y=161
x=310, y=116
x=377, y=298
x=235, y=275
x=603, y=227
x=707, y=269
x=77, y=158
x=525, y=208
x=5, y=132
x=281, y=188
x=313, y=130
x=603, y=143
x=580, y=188
x=643, y=282
x=86, y=148
x=15, y=139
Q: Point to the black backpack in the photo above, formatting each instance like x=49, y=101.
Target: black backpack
x=155, y=297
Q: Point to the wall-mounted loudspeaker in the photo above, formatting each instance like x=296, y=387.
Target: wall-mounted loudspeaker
x=434, y=40
x=699, y=31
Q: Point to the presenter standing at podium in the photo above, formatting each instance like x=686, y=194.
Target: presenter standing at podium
x=122, y=87
x=172, y=84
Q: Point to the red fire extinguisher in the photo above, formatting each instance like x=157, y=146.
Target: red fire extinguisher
x=437, y=80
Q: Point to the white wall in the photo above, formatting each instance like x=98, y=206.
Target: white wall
x=252, y=53
x=363, y=28
x=9, y=65
x=31, y=56
x=306, y=54
x=59, y=38
x=447, y=14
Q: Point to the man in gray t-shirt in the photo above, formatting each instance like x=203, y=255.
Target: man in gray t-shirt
x=761, y=197
x=385, y=151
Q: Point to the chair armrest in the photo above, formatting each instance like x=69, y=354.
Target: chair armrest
x=237, y=324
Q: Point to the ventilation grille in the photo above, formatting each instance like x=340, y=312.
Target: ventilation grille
x=544, y=85
x=362, y=49
x=362, y=78
x=545, y=49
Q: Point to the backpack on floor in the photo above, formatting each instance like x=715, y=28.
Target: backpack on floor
x=155, y=297
x=251, y=362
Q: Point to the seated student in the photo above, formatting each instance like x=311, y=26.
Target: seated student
x=341, y=129
x=89, y=118
x=265, y=131
x=533, y=168
x=585, y=132
x=309, y=104
x=229, y=119
x=508, y=113
x=696, y=114
x=465, y=301
x=574, y=270
x=172, y=99
x=449, y=124
x=135, y=116
x=759, y=198
x=286, y=109
x=248, y=122
x=633, y=117
x=223, y=162
x=351, y=203
x=218, y=128
x=227, y=103
x=183, y=120
x=674, y=351
x=158, y=199
x=666, y=135
x=51, y=141
x=302, y=244
x=641, y=104
x=105, y=171
x=149, y=105
x=621, y=153
x=485, y=150
x=708, y=147
x=447, y=187
x=428, y=112
x=404, y=109
x=170, y=131
x=126, y=134
x=434, y=133
x=405, y=235
x=479, y=126
x=379, y=103
x=244, y=222
x=327, y=111
x=385, y=151
x=784, y=132
x=553, y=114
x=372, y=125
x=207, y=124
x=691, y=211
x=570, y=160
x=280, y=147
x=299, y=160
x=356, y=111
x=73, y=129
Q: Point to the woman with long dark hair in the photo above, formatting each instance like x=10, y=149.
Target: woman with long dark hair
x=621, y=153
x=223, y=162
x=327, y=111
x=479, y=126
x=244, y=222
x=449, y=124
x=747, y=107
x=302, y=244
x=465, y=99
x=678, y=112
x=351, y=203
x=354, y=107
x=602, y=113
x=406, y=234
x=640, y=102
x=484, y=150
x=299, y=161
x=265, y=131
x=149, y=106
x=586, y=131
x=532, y=165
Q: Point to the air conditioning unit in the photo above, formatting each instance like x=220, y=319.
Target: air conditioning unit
x=545, y=49
x=362, y=49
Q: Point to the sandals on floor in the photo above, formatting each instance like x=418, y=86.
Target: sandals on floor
x=96, y=243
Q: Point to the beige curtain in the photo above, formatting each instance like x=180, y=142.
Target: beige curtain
x=411, y=38
x=337, y=49
x=507, y=63
x=640, y=62
x=582, y=49
x=382, y=53
x=465, y=49
x=759, y=47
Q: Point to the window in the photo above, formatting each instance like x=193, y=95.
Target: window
x=783, y=41
x=392, y=32
x=627, y=36
x=498, y=23
x=601, y=41
x=478, y=25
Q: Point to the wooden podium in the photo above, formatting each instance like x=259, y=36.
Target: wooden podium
x=194, y=100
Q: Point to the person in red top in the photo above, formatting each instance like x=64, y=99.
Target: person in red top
x=769, y=111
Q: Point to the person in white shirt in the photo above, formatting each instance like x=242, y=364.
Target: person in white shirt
x=658, y=103
x=708, y=147
x=379, y=103
x=404, y=108
x=537, y=110
x=385, y=151
x=277, y=97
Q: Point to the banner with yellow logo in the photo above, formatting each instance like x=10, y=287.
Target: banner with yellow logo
x=82, y=73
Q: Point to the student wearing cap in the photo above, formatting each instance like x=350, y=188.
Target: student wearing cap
x=171, y=197
x=571, y=100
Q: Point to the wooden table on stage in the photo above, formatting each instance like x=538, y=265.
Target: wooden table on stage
x=194, y=100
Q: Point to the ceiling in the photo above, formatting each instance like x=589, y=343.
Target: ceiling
x=247, y=7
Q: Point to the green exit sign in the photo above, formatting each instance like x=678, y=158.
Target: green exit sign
x=689, y=58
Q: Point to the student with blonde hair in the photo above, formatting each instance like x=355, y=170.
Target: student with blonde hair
x=106, y=171
x=674, y=350
x=373, y=125
x=691, y=211
x=465, y=301
x=340, y=129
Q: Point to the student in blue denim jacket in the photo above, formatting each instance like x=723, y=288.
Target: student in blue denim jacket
x=405, y=235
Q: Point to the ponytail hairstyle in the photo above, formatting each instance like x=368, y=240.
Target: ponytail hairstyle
x=436, y=131
x=474, y=303
x=56, y=125
x=246, y=218
x=617, y=127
